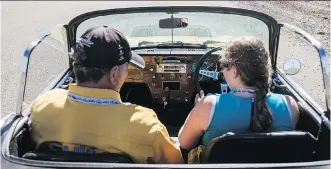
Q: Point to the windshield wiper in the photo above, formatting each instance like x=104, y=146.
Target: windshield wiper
x=180, y=43
x=175, y=44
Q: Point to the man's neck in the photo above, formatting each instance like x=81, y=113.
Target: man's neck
x=93, y=85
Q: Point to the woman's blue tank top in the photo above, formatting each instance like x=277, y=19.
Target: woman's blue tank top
x=232, y=114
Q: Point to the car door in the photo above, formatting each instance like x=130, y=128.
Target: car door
x=45, y=62
x=303, y=62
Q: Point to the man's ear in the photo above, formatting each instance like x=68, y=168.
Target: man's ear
x=113, y=74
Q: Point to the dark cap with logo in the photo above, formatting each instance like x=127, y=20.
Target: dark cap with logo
x=104, y=47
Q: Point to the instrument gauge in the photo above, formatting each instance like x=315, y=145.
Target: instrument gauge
x=208, y=64
x=193, y=67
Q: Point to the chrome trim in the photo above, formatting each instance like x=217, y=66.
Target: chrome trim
x=3, y=120
x=25, y=65
x=323, y=58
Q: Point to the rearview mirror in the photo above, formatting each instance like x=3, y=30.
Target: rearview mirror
x=292, y=66
x=169, y=23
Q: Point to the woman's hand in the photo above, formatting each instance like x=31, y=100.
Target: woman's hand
x=199, y=97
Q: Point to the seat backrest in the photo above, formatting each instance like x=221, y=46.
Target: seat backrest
x=273, y=147
x=52, y=151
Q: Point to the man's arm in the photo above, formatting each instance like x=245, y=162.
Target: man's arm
x=165, y=149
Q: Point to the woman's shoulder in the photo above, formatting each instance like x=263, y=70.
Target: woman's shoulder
x=218, y=95
x=287, y=102
x=210, y=98
x=279, y=98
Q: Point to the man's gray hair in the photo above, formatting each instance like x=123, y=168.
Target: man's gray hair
x=89, y=74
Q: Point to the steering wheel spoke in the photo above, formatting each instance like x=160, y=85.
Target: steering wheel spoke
x=211, y=74
x=198, y=72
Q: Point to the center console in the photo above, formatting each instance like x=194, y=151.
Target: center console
x=169, y=78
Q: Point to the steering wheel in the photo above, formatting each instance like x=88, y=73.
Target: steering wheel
x=210, y=74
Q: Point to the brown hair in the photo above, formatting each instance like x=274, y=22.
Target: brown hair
x=252, y=61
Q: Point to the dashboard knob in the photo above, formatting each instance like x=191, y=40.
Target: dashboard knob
x=159, y=68
x=151, y=69
x=153, y=83
x=153, y=76
x=189, y=76
x=186, y=99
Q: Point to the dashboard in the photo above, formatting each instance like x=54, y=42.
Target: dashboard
x=171, y=78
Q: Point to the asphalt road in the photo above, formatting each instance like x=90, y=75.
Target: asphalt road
x=21, y=22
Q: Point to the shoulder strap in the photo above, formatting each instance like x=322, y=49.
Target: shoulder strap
x=252, y=114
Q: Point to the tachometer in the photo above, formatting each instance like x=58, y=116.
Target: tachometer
x=208, y=64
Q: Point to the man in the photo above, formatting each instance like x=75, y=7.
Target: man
x=91, y=114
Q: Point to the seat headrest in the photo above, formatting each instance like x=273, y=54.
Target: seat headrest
x=260, y=147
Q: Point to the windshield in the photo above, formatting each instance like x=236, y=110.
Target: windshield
x=202, y=28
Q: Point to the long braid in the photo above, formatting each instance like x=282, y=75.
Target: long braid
x=262, y=120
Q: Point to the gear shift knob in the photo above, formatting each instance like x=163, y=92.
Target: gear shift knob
x=164, y=100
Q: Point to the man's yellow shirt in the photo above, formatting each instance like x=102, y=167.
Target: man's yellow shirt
x=117, y=128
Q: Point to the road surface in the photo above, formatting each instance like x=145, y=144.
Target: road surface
x=21, y=22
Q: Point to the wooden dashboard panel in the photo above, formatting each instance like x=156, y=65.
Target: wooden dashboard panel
x=156, y=80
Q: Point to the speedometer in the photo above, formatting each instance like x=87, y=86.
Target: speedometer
x=193, y=67
x=208, y=64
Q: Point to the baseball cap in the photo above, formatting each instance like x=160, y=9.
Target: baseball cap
x=104, y=47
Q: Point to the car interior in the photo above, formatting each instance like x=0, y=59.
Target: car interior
x=169, y=89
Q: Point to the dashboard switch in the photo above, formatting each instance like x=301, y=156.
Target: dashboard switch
x=153, y=76
x=186, y=99
x=159, y=69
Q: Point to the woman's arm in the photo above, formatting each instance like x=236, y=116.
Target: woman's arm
x=294, y=110
x=196, y=122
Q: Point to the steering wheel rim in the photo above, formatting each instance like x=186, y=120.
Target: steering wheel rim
x=199, y=64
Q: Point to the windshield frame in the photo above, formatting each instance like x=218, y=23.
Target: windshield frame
x=270, y=22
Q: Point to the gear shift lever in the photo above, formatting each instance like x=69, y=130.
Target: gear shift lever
x=166, y=98
x=165, y=103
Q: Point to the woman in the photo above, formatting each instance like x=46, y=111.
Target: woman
x=246, y=69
